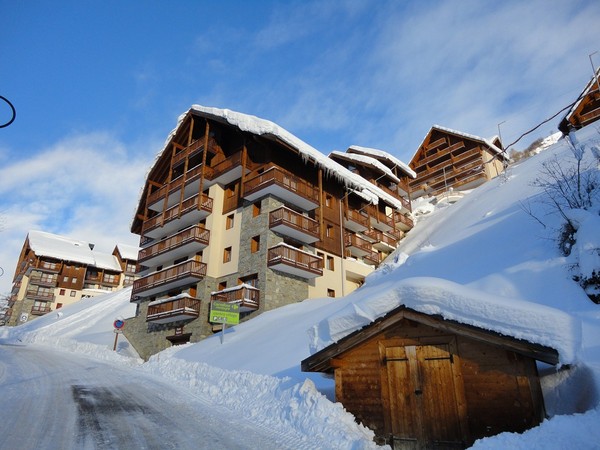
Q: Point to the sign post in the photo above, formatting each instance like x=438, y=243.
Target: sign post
x=224, y=313
x=118, y=324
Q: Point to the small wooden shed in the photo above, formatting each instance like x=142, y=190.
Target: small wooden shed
x=420, y=381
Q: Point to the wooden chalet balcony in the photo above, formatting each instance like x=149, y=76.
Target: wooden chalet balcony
x=402, y=222
x=589, y=117
x=172, y=190
x=33, y=294
x=357, y=246
x=191, y=150
x=38, y=279
x=295, y=225
x=190, y=211
x=380, y=221
x=188, y=272
x=404, y=201
x=381, y=241
x=284, y=185
x=40, y=310
x=186, y=242
x=48, y=266
x=173, y=309
x=246, y=296
x=226, y=171
x=372, y=258
x=356, y=220
x=293, y=261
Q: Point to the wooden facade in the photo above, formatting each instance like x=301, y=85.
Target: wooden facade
x=586, y=109
x=296, y=208
x=450, y=160
x=422, y=382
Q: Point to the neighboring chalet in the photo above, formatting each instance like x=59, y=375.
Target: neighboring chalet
x=422, y=382
x=586, y=109
x=54, y=271
x=450, y=160
x=239, y=210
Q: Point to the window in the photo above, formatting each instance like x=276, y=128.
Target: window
x=229, y=222
x=227, y=255
x=322, y=256
x=330, y=293
x=255, y=209
x=222, y=285
x=59, y=305
x=110, y=278
x=65, y=279
x=130, y=267
x=328, y=201
x=72, y=294
x=252, y=280
x=73, y=280
x=255, y=244
x=62, y=292
x=329, y=231
x=330, y=263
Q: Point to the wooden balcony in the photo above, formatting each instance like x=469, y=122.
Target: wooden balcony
x=356, y=220
x=40, y=310
x=244, y=295
x=191, y=150
x=589, y=117
x=173, y=309
x=381, y=241
x=33, y=294
x=38, y=279
x=402, y=222
x=225, y=171
x=288, y=187
x=380, y=221
x=293, y=261
x=295, y=225
x=189, y=212
x=186, y=273
x=172, y=190
x=356, y=245
x=186, y=242
x=372, y=258
x=48, y=266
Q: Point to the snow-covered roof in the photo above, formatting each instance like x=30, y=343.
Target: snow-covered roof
x=67, y=249
x=271, y=130
x=535, y=323
x=367, y=160
x=128, y=251
x=488, y=142
x=585, y=91
x=380, y=154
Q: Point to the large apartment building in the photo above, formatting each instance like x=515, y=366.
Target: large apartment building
x=54, y=271
x=237, y=209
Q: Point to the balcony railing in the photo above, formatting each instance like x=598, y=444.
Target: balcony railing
x=173, y=309
x=291, y=223
x=191, y=204
x=297, y=262
x=356, y=220
x=381, y=241
x=356, y=245
x=283, y=184
x=195, y=147
x=40, y=310
x=380, y=221
x=245, y=295
x=33, y=294
x=41, y=280
x=191, y=176
x=403, y=222
x=171, y=277
x=371, y=258
x=195, y=234
x=49, y=266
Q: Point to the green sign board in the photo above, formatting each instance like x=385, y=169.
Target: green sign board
x=221, y=312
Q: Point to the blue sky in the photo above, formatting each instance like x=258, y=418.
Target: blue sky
x=99, y=85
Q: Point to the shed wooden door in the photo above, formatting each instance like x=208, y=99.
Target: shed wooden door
x=422, y=399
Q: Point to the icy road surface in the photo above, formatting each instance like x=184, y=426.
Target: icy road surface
x=55, y=400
